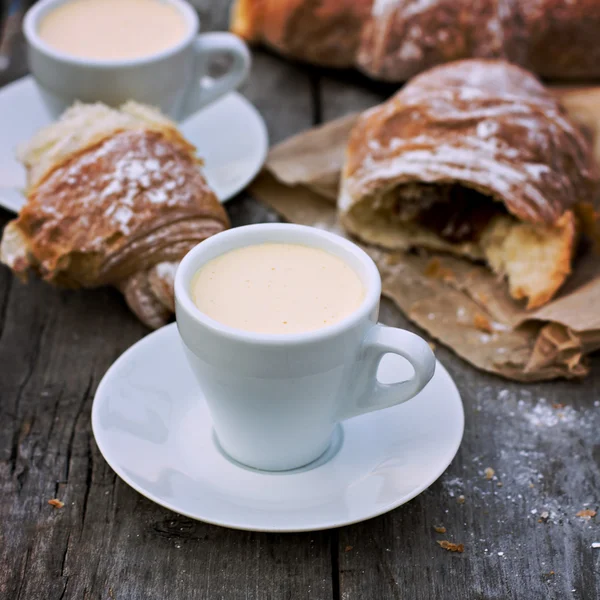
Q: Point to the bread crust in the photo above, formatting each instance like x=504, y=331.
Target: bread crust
x=486, y=126
x=325, y=32
x=536, y=260
x=108, y=203
x=396, y=39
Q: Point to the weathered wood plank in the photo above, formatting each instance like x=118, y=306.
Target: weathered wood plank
x=53, y=352
x=339, y=98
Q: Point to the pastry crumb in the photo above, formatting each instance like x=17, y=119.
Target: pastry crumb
x=432, y=267
x=587, y=513
x=544, y=517
x=499, y=484
x=482, y=298
x=451, y=546
x=558, y=405
x=440, y=529
x=56, y=503
x=348, y=548
x=482, y=323
x=392, y=259
x=435, y=270
x=461, y=499
x=489, y=473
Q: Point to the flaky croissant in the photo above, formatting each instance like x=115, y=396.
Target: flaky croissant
x=478, y=159
x=114, y=197
x=395, y=39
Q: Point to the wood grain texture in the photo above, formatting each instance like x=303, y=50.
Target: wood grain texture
x=108, y=542
x=107, y=537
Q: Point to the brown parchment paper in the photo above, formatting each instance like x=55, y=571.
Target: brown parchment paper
x=459, y=303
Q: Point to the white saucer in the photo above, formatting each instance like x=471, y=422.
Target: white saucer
x=230, y=136
x=153, y=428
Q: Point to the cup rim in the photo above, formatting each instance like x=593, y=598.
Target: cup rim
x=184, y=301
x=31, y=22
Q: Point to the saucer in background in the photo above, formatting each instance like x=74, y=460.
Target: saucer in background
x=230, y=136
x=154, y=429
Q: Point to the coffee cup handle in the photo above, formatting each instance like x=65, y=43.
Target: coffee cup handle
x=207, y=46
x=367, y=393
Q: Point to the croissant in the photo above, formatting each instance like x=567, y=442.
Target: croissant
x=395, y=39
x=478, y=159
x=114, y=197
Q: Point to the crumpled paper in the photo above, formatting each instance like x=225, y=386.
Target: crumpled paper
x=460, y=303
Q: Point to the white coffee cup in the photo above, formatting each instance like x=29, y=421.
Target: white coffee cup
x=168, y=79
x=276, y=399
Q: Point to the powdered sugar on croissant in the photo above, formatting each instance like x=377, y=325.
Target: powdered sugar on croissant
x=476, y=158
x=111, y=195
x=396, y=39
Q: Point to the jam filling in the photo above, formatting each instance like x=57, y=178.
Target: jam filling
x=455, y=213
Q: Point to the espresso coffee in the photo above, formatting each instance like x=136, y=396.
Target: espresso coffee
x=277, y=288
x=113, y=29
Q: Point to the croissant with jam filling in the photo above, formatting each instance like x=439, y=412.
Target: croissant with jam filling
x=478, y=159
x=115, y=197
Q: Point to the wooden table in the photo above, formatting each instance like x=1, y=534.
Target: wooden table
x=521, y=534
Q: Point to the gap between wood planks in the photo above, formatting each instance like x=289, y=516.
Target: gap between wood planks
x=317, y=119
x=315, y=80
x=335, y=564
x=315, y=92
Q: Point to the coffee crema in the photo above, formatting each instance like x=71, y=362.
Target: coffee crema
x=277, y=288
x=113, y=29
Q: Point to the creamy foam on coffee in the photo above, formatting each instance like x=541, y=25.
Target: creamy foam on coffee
x=113, y=29
x=277, y=288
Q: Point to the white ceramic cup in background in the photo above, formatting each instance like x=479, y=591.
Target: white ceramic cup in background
x=168, y=79
x=275, y=399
